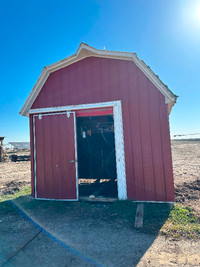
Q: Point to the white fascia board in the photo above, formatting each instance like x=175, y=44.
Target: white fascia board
x=155, y=80
x=34, y=93
x=88, y=51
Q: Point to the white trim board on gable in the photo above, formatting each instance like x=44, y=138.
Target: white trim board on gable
x=85, y=51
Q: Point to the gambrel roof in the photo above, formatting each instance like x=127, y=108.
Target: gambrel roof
x=85, y=51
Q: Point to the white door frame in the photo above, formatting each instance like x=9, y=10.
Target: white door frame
x=118, y=130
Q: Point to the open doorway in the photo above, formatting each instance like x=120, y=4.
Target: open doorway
x=96, y=157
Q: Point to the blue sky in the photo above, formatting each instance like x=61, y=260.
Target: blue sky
x=165, y=34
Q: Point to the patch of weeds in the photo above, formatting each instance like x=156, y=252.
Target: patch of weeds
x=23, y=192
x=183, y=215
x=5, y=206
x=182, y=222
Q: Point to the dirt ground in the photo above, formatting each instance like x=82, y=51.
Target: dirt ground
x=75, y=235
x=70, y=236
x=13, y=176
x=186, y=167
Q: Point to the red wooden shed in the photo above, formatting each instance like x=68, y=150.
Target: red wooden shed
x=99, y=127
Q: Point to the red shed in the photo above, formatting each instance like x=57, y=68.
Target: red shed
x=99, y=127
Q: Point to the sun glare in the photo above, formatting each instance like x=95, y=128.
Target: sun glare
x=192, y=15
x=198, y=12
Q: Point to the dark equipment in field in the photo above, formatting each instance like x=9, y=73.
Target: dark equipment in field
x=15, y=157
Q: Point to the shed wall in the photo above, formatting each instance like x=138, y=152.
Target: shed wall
x=145, y=118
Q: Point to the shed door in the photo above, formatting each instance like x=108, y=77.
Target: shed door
x=55, y=156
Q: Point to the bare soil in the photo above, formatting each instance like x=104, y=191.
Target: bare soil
x=93, y=236
x=166, y=252
x=186, y=166
x=14, y=176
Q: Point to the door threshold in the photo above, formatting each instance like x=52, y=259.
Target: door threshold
x=98, y=199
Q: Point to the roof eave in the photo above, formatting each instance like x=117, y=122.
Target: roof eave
x=84, y=51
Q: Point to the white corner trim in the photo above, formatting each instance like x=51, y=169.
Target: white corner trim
x=34, y=93
x=84, y=51
x=119, y=151
x=119, y=136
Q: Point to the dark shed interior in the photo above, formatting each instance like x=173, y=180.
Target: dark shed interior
x=96, y=156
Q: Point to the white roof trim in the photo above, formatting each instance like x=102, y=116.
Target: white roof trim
x=84, y=51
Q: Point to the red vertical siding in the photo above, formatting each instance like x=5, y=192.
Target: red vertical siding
x=56, y=177
x=40, y=172
x=125, y=82
x=145, y=137
x=156, y=143
x=135, y=128
x=145, y=119
x=47, y=139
